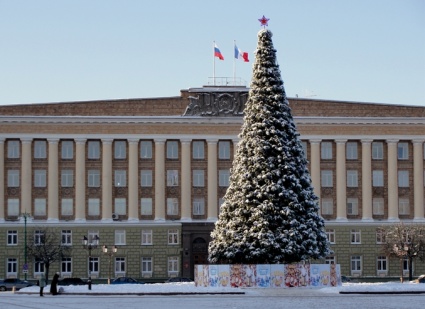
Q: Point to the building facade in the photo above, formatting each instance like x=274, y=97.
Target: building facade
x=148, y=176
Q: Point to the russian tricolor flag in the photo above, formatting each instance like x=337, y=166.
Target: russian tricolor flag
x=241, y=55
x=217, y=53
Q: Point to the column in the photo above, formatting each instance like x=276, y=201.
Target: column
x=392, y=181
x=80, y=179
x=367, y=180
x=107, y=179
x=315, y=166
x=53, y=181
x=212, y=180
x=133, y=180
x=341, y=181
x=2, y=208
x=160, y=180
x=26, y=176
x=186, y=181
x=418, y=180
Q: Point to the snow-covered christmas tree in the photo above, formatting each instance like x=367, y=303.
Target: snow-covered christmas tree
x=270, y=212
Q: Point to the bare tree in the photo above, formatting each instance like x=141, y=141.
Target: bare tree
x=45, y=246
x=405, y=242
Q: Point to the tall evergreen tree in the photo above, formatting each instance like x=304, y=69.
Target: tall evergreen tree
x=270, y=212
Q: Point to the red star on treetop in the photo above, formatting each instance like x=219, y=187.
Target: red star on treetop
x=264, y=21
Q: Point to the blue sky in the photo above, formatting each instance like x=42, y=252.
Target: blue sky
x=363, y=50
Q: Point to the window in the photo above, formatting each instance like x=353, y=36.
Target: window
x=352, y=179
x=67, y=206
x=326, y=150
x=146, y=150
x=198, y=178
x=66, y=237
x=93, y=265
x=403, y=206
x=40, y=178
x=93, y=151
x=173, y=265
x=67, y=178
x=377, y=178
x=403, y=179
x=172, y=150
x=94, y=207
x=330, y=233
x=304, y=146
x=403, y=151
x=146, y=266
x=381, y=264
x=173, y=237
x=91, y=235
x=331, y=259
x=198, y=150
x=327, y=206
x=12, y=267
x=12, y=149
x=146, y=205
x=172, y=178
x=198, y=206
x=146, y=178
x=378, y=205
x=355, y=236
x=38, y=267
x=40, y=150
x=377, y=150
x=351, y=151
x=224, y=150
x=66, y=266
x=38, y=237
x=12, y=238
x=352, y=206
x=120, y=237
x=119, y=265
x=120, y=206
x=40, y=207
x=12, y=207
x=380, y=236
x=356, y=263
x=120, y=150
x=12, y=178
x=327, y=178
x=147, y=237
x=93, y=178
x=223, y=178
x=172, y=206
x=67, y=151
x=220, y=203
x=120, y=178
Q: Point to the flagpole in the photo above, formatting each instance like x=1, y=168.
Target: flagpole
x=234, y=62
x=214, y=63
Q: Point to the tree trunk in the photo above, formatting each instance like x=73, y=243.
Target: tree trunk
x=410, y=268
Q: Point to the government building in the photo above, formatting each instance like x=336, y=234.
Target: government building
x=147, y=176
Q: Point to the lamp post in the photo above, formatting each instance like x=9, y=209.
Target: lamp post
x=25, y=215
x=89, y=246
x=109, y=253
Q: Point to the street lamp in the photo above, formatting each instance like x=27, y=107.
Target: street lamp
x=25, y=215
x=89, y=246
x=109, y=253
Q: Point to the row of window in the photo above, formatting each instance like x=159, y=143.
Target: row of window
x=120, y=178
x=120, y=237
x=355, y=236
x=120, y=266
x=120, y=149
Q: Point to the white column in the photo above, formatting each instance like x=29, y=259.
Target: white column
x=315, y=166
x=392, y=181
x=212, y=180
x=160, y=180
x=341, y=181
x=186, y=181
x=26, y=176
x=80, y=179
x=2, y=208
x=418, y=179
x=53, y=181
x=133, y=183
x=107, y=179
x=367, y=213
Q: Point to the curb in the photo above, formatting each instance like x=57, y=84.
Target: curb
x=143, y=294
x=383, y=292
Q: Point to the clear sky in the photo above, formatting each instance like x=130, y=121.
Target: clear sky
x=363, y=50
